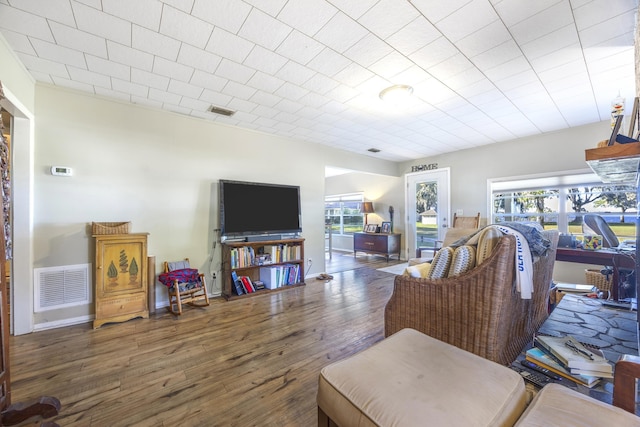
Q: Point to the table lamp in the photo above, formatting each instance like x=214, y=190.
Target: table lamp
x=366, y=208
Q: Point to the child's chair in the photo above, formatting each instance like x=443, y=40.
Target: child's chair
x=184, y=285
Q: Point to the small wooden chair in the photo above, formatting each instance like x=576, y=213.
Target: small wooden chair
x=185, y=285
x=466, y=221
x=469, y=223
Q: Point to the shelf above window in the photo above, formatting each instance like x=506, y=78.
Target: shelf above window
x=616, y=163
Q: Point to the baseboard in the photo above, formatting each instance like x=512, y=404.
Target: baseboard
x=62, y=323
x=89, y=318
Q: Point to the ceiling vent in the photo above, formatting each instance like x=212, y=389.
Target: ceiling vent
x=221, y=111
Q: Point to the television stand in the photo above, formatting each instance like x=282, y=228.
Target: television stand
x=248, y=258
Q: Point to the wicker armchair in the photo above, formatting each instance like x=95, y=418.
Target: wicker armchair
x=479, y=311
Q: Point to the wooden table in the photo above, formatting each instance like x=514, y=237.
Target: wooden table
x=605, y=257
x=386, y=244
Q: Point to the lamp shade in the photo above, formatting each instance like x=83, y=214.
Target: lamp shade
x=367, y=207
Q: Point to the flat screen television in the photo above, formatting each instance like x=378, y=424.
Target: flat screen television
x=253, y=208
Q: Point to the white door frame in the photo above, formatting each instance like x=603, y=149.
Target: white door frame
x=443, y=179
x=22, y=176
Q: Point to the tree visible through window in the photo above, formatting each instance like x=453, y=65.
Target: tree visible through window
x=562, y=202
x=343, y=213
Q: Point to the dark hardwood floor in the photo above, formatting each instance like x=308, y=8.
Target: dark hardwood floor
x=248, y=362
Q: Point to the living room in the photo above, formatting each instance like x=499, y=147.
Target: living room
x=160, y=169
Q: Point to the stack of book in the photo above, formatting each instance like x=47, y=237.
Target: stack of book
x=569, y=358
x=244, y=284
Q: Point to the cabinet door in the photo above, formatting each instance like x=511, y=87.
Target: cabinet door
x=121, y=266
x=121, y=278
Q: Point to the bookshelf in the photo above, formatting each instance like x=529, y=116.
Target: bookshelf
x=248, y=258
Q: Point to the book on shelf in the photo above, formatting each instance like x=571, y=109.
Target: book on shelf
x=243, y=285
x=248, y=284
x=269, y=276
x=242, y=257
x=258, y=285
x=573, y=354
x=544, y=360
x=237, y=283
x=280, y=275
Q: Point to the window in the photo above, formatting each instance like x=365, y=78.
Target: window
x=562, y=201
x=343, y=213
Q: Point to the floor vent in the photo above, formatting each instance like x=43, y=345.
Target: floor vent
x=60, y=287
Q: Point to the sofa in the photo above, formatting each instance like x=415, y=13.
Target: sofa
x=411, y=379
x=479, y=310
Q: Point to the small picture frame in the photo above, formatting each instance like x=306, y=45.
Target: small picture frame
x=386, y=227
x=371, y=228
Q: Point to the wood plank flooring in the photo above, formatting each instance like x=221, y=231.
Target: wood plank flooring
x=248, y=362
x=343, y=261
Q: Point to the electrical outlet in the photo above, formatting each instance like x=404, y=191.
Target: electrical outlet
x=214, y=275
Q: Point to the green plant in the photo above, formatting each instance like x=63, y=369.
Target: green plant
x=133, y=268
x=112, y=271
x=124, y=261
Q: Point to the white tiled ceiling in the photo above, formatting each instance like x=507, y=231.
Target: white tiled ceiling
x=483, y=71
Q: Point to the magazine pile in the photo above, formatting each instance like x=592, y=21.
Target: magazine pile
x=571, y=359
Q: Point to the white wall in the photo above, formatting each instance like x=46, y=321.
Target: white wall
x=160, y=171
x=548, y=153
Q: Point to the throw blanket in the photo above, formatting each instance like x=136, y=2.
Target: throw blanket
x=532, y=232
x=529, y=242
x=188, y=278
x=524, y=262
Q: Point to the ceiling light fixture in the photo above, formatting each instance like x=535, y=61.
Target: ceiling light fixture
x=396, y=93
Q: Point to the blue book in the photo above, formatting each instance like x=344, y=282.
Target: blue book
x=237, y=283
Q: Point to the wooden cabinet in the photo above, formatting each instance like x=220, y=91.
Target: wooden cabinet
x=377, y=243
x=248, y=258
x=120, y=278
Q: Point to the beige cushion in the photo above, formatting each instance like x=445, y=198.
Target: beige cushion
x=411, y=379
x=416, y=261
x=487, y=239
x=557, y=405
x=418, y=270
x=464, y=259
x=441, y=263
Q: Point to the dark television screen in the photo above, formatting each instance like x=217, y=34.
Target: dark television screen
x=248, y=208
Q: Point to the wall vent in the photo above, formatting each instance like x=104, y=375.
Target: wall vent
x=62, y=286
